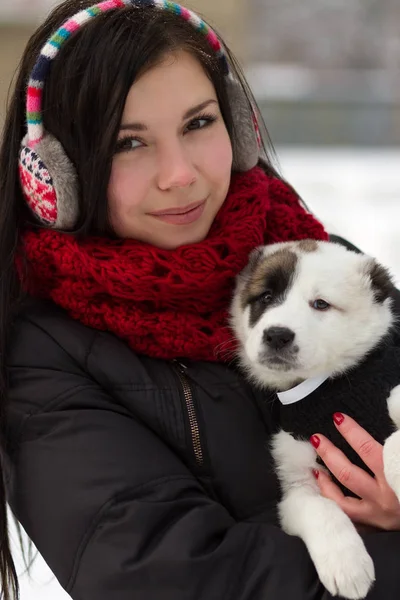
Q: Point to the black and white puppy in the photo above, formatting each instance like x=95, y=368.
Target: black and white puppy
x=315, y=324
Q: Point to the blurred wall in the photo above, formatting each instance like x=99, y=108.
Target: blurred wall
x=227, y=16
x=327, y=72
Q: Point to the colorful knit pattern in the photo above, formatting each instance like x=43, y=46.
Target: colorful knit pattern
x=37, y=186
x=166, y=303
x=53, y=45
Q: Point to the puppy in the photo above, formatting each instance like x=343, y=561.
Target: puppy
x=315, y=325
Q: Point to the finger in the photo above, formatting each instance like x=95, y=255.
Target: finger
x=361, y=512
x=328, y=488
x=369, y=450
x=352, y=477
x=355, y=509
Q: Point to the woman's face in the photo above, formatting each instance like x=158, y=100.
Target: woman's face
x=172, y=167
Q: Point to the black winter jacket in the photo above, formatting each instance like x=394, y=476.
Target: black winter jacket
x=144, y=479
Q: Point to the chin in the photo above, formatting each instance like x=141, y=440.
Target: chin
x=173, y=243
x=186, y=238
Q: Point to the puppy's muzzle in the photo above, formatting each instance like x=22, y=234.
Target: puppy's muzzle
x=279, y=349
x=278, y=338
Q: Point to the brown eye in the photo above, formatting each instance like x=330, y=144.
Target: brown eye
x=201, y=122
x=197, y=124
x=127, y=143
x=320, y=305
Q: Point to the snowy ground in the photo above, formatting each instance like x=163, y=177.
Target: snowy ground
x=356, y=193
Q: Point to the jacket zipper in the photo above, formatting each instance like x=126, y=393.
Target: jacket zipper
x=194, y=425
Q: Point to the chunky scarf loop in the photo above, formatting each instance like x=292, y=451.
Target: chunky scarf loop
x=167, y=303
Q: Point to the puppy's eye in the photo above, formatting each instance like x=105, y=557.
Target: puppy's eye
x=320, y=305
x=265, y=298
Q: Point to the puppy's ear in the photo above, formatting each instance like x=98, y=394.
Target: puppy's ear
x=254, y=258
x=381, y=280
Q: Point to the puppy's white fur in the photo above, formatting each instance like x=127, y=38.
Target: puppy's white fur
x=338, y=552
x=328, y=342
x=391, y=448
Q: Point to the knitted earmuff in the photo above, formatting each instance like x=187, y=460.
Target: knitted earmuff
x=48, y=177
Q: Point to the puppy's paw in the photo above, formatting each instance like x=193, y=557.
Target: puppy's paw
x=391, y=462
x=346, y=571
x=393, y=404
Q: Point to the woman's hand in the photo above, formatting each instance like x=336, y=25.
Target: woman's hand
x=378, y=505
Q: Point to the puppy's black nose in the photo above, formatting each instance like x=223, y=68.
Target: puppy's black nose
x=278, y=337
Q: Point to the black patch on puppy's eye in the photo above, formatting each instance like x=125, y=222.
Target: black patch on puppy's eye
x=269, y=283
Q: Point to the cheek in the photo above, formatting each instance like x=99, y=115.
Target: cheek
x=125, y=189
x=217, y=159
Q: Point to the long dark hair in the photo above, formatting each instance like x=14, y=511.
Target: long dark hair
x=83, y=104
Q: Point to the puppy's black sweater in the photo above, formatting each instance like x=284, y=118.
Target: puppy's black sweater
x=361, y=393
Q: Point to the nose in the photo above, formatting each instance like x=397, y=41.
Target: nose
x=278, y=337
x=175, y=168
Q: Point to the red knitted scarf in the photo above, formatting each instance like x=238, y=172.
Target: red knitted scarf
x=167, y=303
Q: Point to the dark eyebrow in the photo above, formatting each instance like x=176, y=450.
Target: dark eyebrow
x=196, y=109
x=190, y=113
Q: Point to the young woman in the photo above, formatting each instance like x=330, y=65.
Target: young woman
x=133, y=186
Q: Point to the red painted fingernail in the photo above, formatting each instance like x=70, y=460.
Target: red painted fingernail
x=315, y=473
x=338, y=418
x=314, y=439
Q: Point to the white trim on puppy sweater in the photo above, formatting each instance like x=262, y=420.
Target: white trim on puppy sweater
x=305, y=388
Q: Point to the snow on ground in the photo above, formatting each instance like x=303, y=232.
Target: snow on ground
x=356, y=193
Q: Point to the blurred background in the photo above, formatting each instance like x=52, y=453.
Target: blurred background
x=326, y=75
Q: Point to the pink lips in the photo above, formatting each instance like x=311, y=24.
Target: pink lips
x=181, y=216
